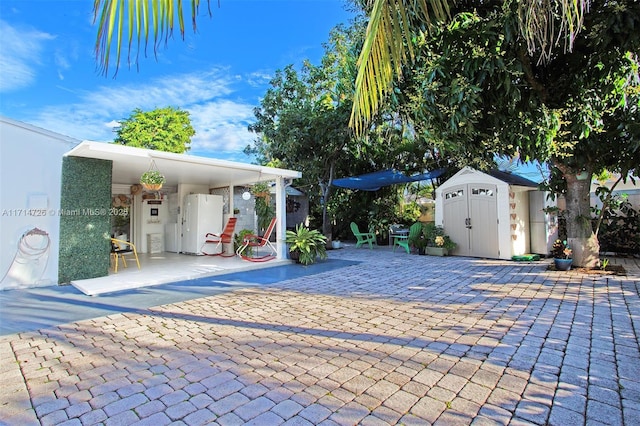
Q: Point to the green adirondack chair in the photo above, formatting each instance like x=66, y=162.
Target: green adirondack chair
x=414, y=231
x=363, y=237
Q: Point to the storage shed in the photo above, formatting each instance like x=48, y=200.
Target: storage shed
x=494, y=215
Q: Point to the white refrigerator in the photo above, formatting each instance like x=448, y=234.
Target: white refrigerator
x=202, y=214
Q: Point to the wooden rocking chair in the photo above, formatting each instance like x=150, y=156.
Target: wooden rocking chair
x=226, y=237
x=252, y=242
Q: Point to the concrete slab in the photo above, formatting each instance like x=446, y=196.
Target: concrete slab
x=167, y=267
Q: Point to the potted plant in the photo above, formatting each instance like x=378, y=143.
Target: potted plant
x=263, y=208
x=152, y=180
x=440, y=244
x=306, y=245
x=238, y=241
x=562, y=255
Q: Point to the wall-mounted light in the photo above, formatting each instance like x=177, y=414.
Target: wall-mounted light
x=246, y=195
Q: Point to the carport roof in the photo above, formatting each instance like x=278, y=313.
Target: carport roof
x=129, y=163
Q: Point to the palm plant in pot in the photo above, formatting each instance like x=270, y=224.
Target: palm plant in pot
x=306, y=245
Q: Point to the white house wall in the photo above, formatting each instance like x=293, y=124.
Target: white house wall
x=30, y=173
x=629, y=188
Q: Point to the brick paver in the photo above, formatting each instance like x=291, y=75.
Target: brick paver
x=393, y=339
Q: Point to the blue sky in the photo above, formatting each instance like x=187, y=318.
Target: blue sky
x=49, y=78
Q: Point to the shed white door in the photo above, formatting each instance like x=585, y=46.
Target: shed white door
x=471, y=219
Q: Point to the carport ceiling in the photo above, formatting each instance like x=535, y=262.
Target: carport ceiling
x=129, y=163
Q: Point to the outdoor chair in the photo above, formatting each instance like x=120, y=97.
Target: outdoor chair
x=121, y=248
x=399, y=236
x=363, y=237
x=226, y=237
x=414, y=231
x=253, y=243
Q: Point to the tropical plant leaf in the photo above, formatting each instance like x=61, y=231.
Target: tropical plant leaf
x=543, y=23
x=140, y=17
x=386, y=48
x=393, y=23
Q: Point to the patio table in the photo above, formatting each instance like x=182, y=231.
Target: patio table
x=398, y=235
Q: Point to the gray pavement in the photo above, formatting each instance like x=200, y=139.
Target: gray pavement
x=392, y=339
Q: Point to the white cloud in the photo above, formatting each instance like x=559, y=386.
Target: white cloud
x=220, y=123
x=178, y=90
x=62, y=56
x=20, y=55
x=259, y=78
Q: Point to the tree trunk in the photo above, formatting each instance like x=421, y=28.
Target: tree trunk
x=326, y=193
x=580, y=236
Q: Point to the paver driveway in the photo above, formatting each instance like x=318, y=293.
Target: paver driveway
x=395, y=339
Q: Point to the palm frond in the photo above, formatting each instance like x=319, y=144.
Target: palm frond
x=140, y=17
x=543, y=23
x=386, y=48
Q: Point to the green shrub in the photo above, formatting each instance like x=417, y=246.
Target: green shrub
x=307, y=244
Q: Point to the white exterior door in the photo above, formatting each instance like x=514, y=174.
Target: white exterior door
x=456, y=212
x=483, y=220
x=471, y=220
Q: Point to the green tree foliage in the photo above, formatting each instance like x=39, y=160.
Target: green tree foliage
x=301, y=128
x=302, y=122
x=164, y=129
x=384, y=51
x=474, y=91
x=394, y=24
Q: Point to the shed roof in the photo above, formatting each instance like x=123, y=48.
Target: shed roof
x=512, y=179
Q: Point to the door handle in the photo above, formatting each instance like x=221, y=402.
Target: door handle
x=467, y=222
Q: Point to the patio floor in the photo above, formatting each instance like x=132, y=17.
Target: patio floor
x=379, y=338
x=167, y=267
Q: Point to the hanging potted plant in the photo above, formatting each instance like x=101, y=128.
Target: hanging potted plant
x=152, y=180
x=263, y=208
x=261, y=189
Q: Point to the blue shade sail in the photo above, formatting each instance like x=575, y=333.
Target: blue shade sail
x=376, y=180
